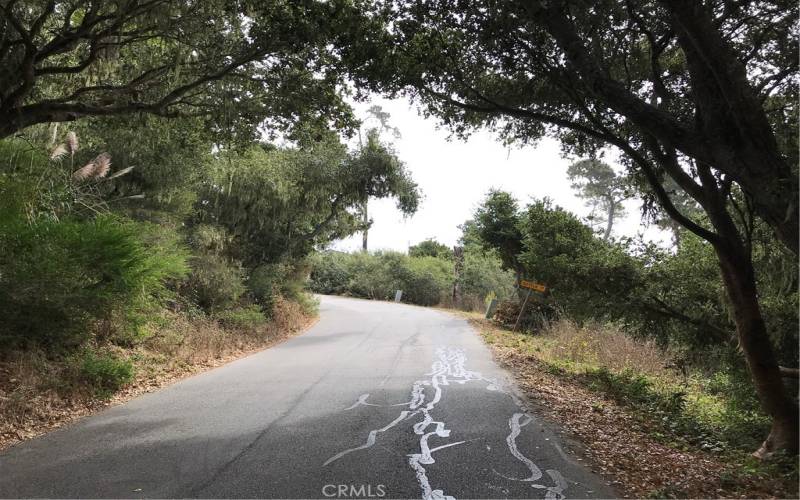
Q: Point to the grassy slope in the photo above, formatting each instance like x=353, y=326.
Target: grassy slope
x=651, y=431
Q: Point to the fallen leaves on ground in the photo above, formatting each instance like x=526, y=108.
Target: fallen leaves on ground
x=45, y=410
x=617, y=444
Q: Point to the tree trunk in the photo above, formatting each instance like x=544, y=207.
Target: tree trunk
x=365, y=234
x=731, y=114
x=458, y=266
x=739, y=279
x=609, y=224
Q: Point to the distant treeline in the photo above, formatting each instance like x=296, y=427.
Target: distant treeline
x=426, y=276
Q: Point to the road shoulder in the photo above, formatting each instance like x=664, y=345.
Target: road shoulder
x=614, y=442
x=48, y=410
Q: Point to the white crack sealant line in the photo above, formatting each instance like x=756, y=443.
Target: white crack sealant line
x=449, y=367
x=556, y=492
x=362, y=401
x=516, y=427
x=370, y=438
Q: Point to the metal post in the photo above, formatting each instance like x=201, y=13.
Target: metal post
x=522, y=309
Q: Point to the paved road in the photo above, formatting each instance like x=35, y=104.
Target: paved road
x=376, y=400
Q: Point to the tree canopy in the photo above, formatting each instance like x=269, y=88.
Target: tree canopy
x=430, y=248
x=240, y=65
x=603, y=189
x=281, y=203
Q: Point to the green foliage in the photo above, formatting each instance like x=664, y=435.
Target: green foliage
x=378, y=275
x=245, y=318
x=105, y=373
x=265, y=282
x=369, y=275
x=286, y=279
x=430, y=248
x=424, y=280
x=331, y=273
x=603, y=189
x=675, y=296
x=279, y=204
x=428, y=280
x=714, y=423
x=587, y=277
x=167, y=157
x=215, y=282
x=683, y=300
x=58, y=277
x=483, y=275
x=215, y=69
x=497, y=226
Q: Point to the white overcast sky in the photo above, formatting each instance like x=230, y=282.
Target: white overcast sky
x=455, y=176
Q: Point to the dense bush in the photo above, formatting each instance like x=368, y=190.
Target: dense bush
x=331, y=273
x=244, y=318
x=425, y=280
x=430, y=248
x=214, y=283
x=588, y=278
x=59, y=277
x=428, y=280
x=482, y=276
x=105, y=373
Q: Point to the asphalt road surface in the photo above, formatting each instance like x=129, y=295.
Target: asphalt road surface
x=377, y=400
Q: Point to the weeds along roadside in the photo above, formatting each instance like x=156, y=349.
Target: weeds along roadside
x=587, y=376
x=41, y=392
x=106, y=292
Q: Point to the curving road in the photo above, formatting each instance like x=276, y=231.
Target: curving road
x=376, y=400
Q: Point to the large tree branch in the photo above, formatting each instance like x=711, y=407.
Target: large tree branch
x=649, y=172
x=647, y=117
x=666, y=310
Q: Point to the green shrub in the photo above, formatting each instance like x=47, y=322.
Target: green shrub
x=370, y=275
x=268, y=281
x=214, y=282
x=425, y=280
x=242, y=318
x=330, y=273
x=428, y=280
x=483, y=275
x=59, y=277
x=105, y=373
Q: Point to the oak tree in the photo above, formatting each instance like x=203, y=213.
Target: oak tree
x=240, y=65
x=703, y=93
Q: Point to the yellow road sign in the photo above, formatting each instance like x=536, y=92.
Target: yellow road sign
x=532, y=285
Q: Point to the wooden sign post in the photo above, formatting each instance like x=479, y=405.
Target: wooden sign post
x=531, y=286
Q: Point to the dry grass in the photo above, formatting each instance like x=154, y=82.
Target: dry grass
x=618, y=442
x=601, y=345
x=469, y=303
x=39, y=393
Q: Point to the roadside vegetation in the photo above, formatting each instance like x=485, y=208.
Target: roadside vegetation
x=159, y=194
x=115, y=274
x=426, y=276
x=651, y=428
